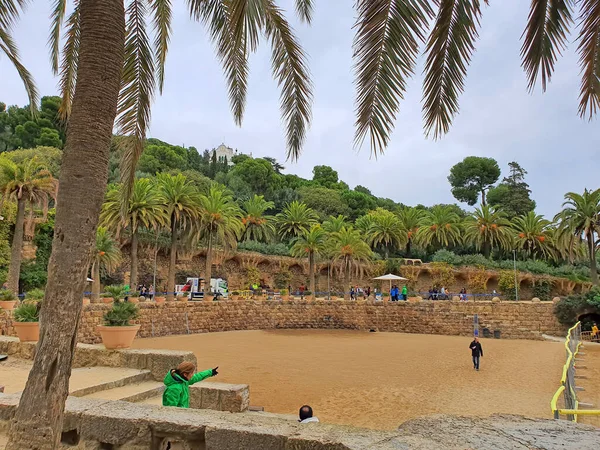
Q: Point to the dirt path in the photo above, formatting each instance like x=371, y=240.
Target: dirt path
x=378, y=380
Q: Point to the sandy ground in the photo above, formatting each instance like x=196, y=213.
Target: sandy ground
x=378, y=380
x=591, y=384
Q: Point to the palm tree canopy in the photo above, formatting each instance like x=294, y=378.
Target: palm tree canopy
x=385, y=229
x=220, y=216
x=534, y=234
x=107, y=253
x=411, y=219
x=349, y=245
x=488, y=225
x=144, y=209
x=295, y=220
x=334, y=224
x=258, y=225
x=440, y=226
x=581, y=213
x=312, y=242
x=29, y=180
x=180, y=198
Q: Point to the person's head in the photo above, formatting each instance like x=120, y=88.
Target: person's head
x=186, y=369
x=476, y=339
x=306, y=412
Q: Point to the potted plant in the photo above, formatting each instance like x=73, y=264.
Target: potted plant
x=8, y=299
x=117, y=332
x=26, y=320
x=115, y=293
x=235, y=295
x=35, y=294
x=159, y=299
x=285, y=295
x=308, y=296
x=185, y=297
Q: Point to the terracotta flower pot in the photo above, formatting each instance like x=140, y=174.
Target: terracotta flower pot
x=160, y=300
x=107, y=299
x=86, y=301
x=234, y=298
x=8, y=304
x=134, y=299
x=27, y=331
x=184, y=299
x=118, y=337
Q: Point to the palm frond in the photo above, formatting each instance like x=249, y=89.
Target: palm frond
x=289, y=67
x=69, y=63
x=8, y=46
x=589, y=58
x=57, y=16
x=385, y=48
x=304, y=9
x=9, y=12
x=137, y=90
x=161, y=10
x=449, y=50
x=545, y=37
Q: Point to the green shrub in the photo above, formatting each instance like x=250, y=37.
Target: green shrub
x=35, y=294
x=7, y=295
x=27, y=312
x=506, y=284
x=120, y=314
x=283, y=292
x=32, y=276
x=282, y=279
x=543, y=289
x=117, y=292
x=266, y=249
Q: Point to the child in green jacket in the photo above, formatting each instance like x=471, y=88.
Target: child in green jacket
x=177, y=382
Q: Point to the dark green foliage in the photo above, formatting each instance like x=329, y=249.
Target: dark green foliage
x=472, y=177
x=543, y=289
x=117, y=292
x=27, y=311
x=35, y=294
x=7, y=296
x=513, y=194
x=326, y=202
x=121, y=314
x=568, y=309
x=34, y=274
x=282, y=279
x=265, y=249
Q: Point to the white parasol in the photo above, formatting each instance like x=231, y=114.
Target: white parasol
x=391, y=277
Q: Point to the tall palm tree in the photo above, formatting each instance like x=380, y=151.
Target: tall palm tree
x=257, y=225
x=295, y=220
x=440, y=227
x=580, y=219
x=143, y=210
x=411, y=220
x=487, y=228
x=348, y=246
x=28, y=183
x=385, y=230
x=104, y=52
x=219, y=223
x=533, y=235
x=107, y=256
x=310, y=244
x=182, y=202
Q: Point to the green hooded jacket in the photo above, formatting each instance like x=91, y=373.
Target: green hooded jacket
x=177, y=391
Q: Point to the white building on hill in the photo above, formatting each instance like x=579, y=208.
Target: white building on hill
x=222, y=152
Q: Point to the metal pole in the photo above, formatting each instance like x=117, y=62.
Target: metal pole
x=515, y=267
x=155, y=257
x=328, y=288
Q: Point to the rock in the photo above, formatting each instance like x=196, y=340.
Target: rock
x=496, y=300
x=535, y=300
x=556, y=300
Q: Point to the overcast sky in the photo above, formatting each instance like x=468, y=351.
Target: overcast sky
x=498, y=118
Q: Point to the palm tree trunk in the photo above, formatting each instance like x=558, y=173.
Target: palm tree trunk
x=347, y=278
x=408, y=247
x=96, y=282
x=592, y=252
x=133, y=278
x=16, y=250
x=38, y=420
x=173, y=261
x=208, y=270
x=311, y=268
x=487, y=249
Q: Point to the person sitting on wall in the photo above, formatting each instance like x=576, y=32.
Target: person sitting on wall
x=306, y=415
x=178, y=382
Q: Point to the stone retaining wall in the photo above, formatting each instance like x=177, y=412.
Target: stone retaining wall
x=515, y=320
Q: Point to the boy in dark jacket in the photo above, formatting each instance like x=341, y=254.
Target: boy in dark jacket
x=476, y=352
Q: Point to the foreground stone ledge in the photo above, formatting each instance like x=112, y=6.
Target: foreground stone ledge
x=220, y=396
x=127, y=426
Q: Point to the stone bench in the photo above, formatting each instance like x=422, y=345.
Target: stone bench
x=220, y=397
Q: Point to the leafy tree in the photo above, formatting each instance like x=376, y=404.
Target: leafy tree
x=411, y=219
x=325, y=176
x=144, y=209
x=182, y=206
x=472, y=177
x=257, y=225
x=362, y=190
x=276, y=166
x=160, y=158
x=106, y=255
x=580, y=219
x=348, y=247
x=533, y=235
x=335, y=224
x=359, y=203
x=295, y=220
x=325, y=202
x=440, y=227
x=488, y=228
x=512, y=195
x=48, y=156
x=258, y=174
x=385, y=230
x=310, y=244
x=29, y=183
x=219, y=223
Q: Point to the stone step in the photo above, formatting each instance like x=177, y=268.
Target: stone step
x=89, y=380
x=136, y=392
